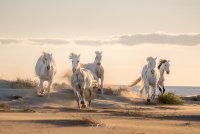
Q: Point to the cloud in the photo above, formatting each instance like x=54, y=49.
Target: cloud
x=34, y=41
x=89, y=42
x=129, y=40
x=49, y=41
x=149, y=38
x=10, y=41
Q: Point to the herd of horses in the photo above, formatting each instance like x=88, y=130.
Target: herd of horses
x=91, y=75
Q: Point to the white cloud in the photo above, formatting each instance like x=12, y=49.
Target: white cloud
x=130, y=40
x=49, y=41
x=150, y=38
x=10, y=41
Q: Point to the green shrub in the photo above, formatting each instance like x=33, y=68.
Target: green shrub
x=170, y=98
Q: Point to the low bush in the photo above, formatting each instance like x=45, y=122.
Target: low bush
x=170, y=98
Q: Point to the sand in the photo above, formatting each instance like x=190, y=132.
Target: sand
x=126, y=113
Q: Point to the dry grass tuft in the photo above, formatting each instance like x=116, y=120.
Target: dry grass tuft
x=132, y=111
x=23, y=83
x=60, y=85
x=112, y=91
x=196, y=98
x=93, y=121
x=4, y=106
x=170, y=98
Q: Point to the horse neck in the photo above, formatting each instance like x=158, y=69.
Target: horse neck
x=78, y=71
x=95, y=62
x=161, y=72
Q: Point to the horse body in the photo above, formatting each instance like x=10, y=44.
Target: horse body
x=162, y=68
x=148, y=79
x=82, y=79
x=45, y=69
x=97, y=70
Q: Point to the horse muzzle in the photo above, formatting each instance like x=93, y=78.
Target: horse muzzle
x=48, y=67
x=152, y=71
x=73, y=70
x=82, y=102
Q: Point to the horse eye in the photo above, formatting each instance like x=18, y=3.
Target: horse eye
x=78, y=61
x=45, y=58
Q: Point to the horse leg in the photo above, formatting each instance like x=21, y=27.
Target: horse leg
x=41, y=87
x=97, y=79
x=160, y=89
x=163, y=89
x=78, y=99
x=74, y=90
x=90, y=97
x=153, y=90
x=82, y=96
x=147, y=91
x=49, y=88
x=102, y=79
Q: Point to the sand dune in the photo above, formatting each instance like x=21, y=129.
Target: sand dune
x=125, y=113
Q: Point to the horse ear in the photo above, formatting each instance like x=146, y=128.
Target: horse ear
x=101, y=52
x=155, y=58
x=51, y=54
x=79, y=55
x=168, y=61
x=96, y=52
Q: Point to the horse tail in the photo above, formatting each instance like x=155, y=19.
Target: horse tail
x=135, y=82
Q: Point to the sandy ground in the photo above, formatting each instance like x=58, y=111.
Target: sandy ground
x=110, y=114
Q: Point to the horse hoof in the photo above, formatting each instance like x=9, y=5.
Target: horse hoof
x=82, y=102
x=148, y=100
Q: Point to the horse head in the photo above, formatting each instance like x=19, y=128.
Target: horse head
x=151, y=63
x=75, y=58
x=47, y=60
x=164, y=65
x=98, y=57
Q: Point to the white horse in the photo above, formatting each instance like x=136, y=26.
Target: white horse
x=45, y=69
x=81, y=80
x=148, y=78
x=97, y=70
x=162, y=68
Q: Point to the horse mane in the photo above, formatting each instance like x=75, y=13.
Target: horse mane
x=161, y=62
x=73, y=55
x=98, y=52
x=149, y=58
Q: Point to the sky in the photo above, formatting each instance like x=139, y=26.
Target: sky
x=127, y=31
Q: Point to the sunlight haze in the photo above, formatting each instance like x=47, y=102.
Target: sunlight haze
x=127, y=31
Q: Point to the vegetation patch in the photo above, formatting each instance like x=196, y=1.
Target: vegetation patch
x=93, y=121
x=4, y=106
x=23, y=83
x=196, y=98
x=114, y=91
x=170, y=98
